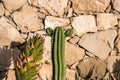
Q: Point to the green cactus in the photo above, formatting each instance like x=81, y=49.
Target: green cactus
x=58, y=48
x=27, y=64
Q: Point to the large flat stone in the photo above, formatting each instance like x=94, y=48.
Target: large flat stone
x=83, y=24
x=27, y=19
x=54, y=7
x=99, y=44
x=89, y=6
x=106, y=21
x=12, y=5
x=8, y=33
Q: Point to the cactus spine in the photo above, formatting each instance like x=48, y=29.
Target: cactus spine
x=58, y=48
x=27, y=64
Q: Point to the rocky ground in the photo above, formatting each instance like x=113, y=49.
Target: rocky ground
x=91, y=53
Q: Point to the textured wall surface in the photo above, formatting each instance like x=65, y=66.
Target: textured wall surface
x=91, y=52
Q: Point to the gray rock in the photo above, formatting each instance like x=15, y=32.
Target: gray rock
x=100, y=43
x=90, y=68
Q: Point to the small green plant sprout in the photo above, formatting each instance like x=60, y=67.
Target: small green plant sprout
x=58, y=48
x=27, y=64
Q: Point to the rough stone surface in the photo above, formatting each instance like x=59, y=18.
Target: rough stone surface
x=27, y=19
x=73, y=53
x=54, y=7
x=113, y=63
x=89, y=6
x=92, y=68
x=118, y=45
x=53, y=22
x=2, y=10
x=74, y=40
x=45, y=72
x=116, y=5
x=100, y=44
x=12, y=5
x=70, y=74
x=8, y=33
x=83, y=24
x=106, y=21
x=11, y=75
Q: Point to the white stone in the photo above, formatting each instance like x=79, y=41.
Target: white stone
x=53, y=22
x=99, y=44
x=73, y=53
x=8, y=33
x=27, y=19
x=116, y=5
x=12, y=5
x=54, y=7
x=70, y=74
x=106, y=21
x=84, y=23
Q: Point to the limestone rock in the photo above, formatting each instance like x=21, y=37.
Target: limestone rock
x=91, y=68
x=53, y=22
x=118, y=45
x=54, y=7
x=2, y=10
x=70, y=74
x=11, y=75
x=99, y=44
x=116, y=5
x=74, y=40
x=27, y=19
x=84, y=23
x=73, y=53
x=89, y=6
x=106, y=21
x=12, y=5
x=45, y=72
x=47, y=49
x=8, y=33
x=113, y=63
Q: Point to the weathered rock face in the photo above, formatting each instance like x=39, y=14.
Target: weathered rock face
x=45, y=72
x=113, y=63
x=2, y=10
x=100, y=44
x=8, y=33
x=90, y=68
x=70, y=74
x=12, y=5
x=54, y=7
x=116, y=5
x=106, y=21
x=74, y=40
x=89, y=6
x=118, y=45
x=53, y=22
x=73, y=53
x=27, y=20
x=83, y=24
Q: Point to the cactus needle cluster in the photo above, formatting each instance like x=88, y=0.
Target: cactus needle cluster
x=27, y=64
x=58, y=48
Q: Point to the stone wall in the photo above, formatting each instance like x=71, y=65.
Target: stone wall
x=91, y=52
